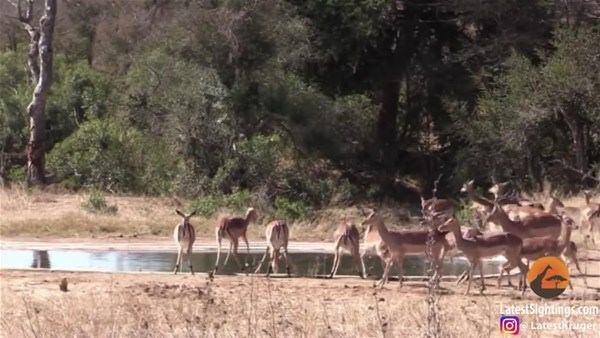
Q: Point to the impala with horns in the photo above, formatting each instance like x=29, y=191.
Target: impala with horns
x=485, y=206
x=347, y=238
x=536, y=247
x=184, y=235
x=234, y=228
x=395, y=245
x=277, y=234
x=487, y=245
x=532, y=226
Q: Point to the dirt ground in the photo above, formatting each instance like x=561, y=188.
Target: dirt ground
x=165, y=305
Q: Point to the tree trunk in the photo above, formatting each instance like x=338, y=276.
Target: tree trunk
x=387, y=122
x=36, y=109
x=579, y=142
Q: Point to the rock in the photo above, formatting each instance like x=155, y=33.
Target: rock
x=64, y=285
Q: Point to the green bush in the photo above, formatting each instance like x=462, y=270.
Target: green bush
x=208, y=205
x=96, y=203
x=108, y=155
x=291, y=209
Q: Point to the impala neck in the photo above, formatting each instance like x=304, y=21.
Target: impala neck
x=587, y=198
x=479, y=199
x=565, y=234
x=502, y=218
x=381, y=228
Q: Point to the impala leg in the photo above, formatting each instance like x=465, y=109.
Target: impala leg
x=481, y=274
x=362, y=263
x=229, y=251
x=178, y=261
x=401, y=270
x=189, y=257
x=523, y=279
x=358, y=262
x=386, y=271
x=287, y=262
x=262, y=261
x=219, y=240
x=247, y=250
x=336, y=257
x=462, y=277
x=274, y=263
x=270, y=262
x=235, y=255
x=336, y=263
x=471, y=267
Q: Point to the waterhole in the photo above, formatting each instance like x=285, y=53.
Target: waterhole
x=302, y=264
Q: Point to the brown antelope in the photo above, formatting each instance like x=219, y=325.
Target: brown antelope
x=592, y=212
x=487, y=245
x=436, y=206
x=395, y=245
x=347, y=238
x=583, y=217
x=483, y=205
x=532, y=226
x=184, y=235
x=498, y=190
x=536, y=247
x=277, y=234
x=234, y=228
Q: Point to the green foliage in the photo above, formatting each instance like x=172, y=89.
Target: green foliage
x=524, y=122
x=96, y=203
x=109, y=155
x=237, y=201
x=14, y=94
x=291, y=209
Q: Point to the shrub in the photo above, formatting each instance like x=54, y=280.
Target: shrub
x=96, y=203
x=105, y=154
x=290, y=209
x=208, y=205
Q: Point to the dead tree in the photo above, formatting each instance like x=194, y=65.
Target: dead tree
x=39, y=62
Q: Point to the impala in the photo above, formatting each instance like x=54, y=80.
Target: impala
x=347, y=239
x=234, y=228
x=484, y=206
x=277, y=234
x=536, y=247
x=532, y=226
x=184, y=235
x=487, y=245
x=395, y=245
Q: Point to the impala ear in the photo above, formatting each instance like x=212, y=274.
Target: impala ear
x=179, y=213
x=193, y=213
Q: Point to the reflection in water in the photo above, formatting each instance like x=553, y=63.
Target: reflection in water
x=305, y=264
x=40, y=259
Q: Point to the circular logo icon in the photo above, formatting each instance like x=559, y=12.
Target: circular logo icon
x=548, y=277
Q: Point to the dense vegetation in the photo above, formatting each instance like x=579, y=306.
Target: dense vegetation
x=302, y=104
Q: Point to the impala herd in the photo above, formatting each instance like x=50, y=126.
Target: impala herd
x=523, y=229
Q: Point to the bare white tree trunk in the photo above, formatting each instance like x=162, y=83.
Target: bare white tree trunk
x=39, y=61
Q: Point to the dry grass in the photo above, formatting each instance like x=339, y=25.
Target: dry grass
x=158, y=305
x=45, y=214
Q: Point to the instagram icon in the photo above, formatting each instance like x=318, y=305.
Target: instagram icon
x=510, y=325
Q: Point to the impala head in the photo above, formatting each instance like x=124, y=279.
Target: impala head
x=468, y=187
x=449, y=225
x=568, y=221
x=496, y=211
x=554, y=204
x=186, y=218
x=251, y=215
x=371, y=218
x=498, y=189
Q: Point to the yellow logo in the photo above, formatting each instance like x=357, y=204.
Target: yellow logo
x=548, y=277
